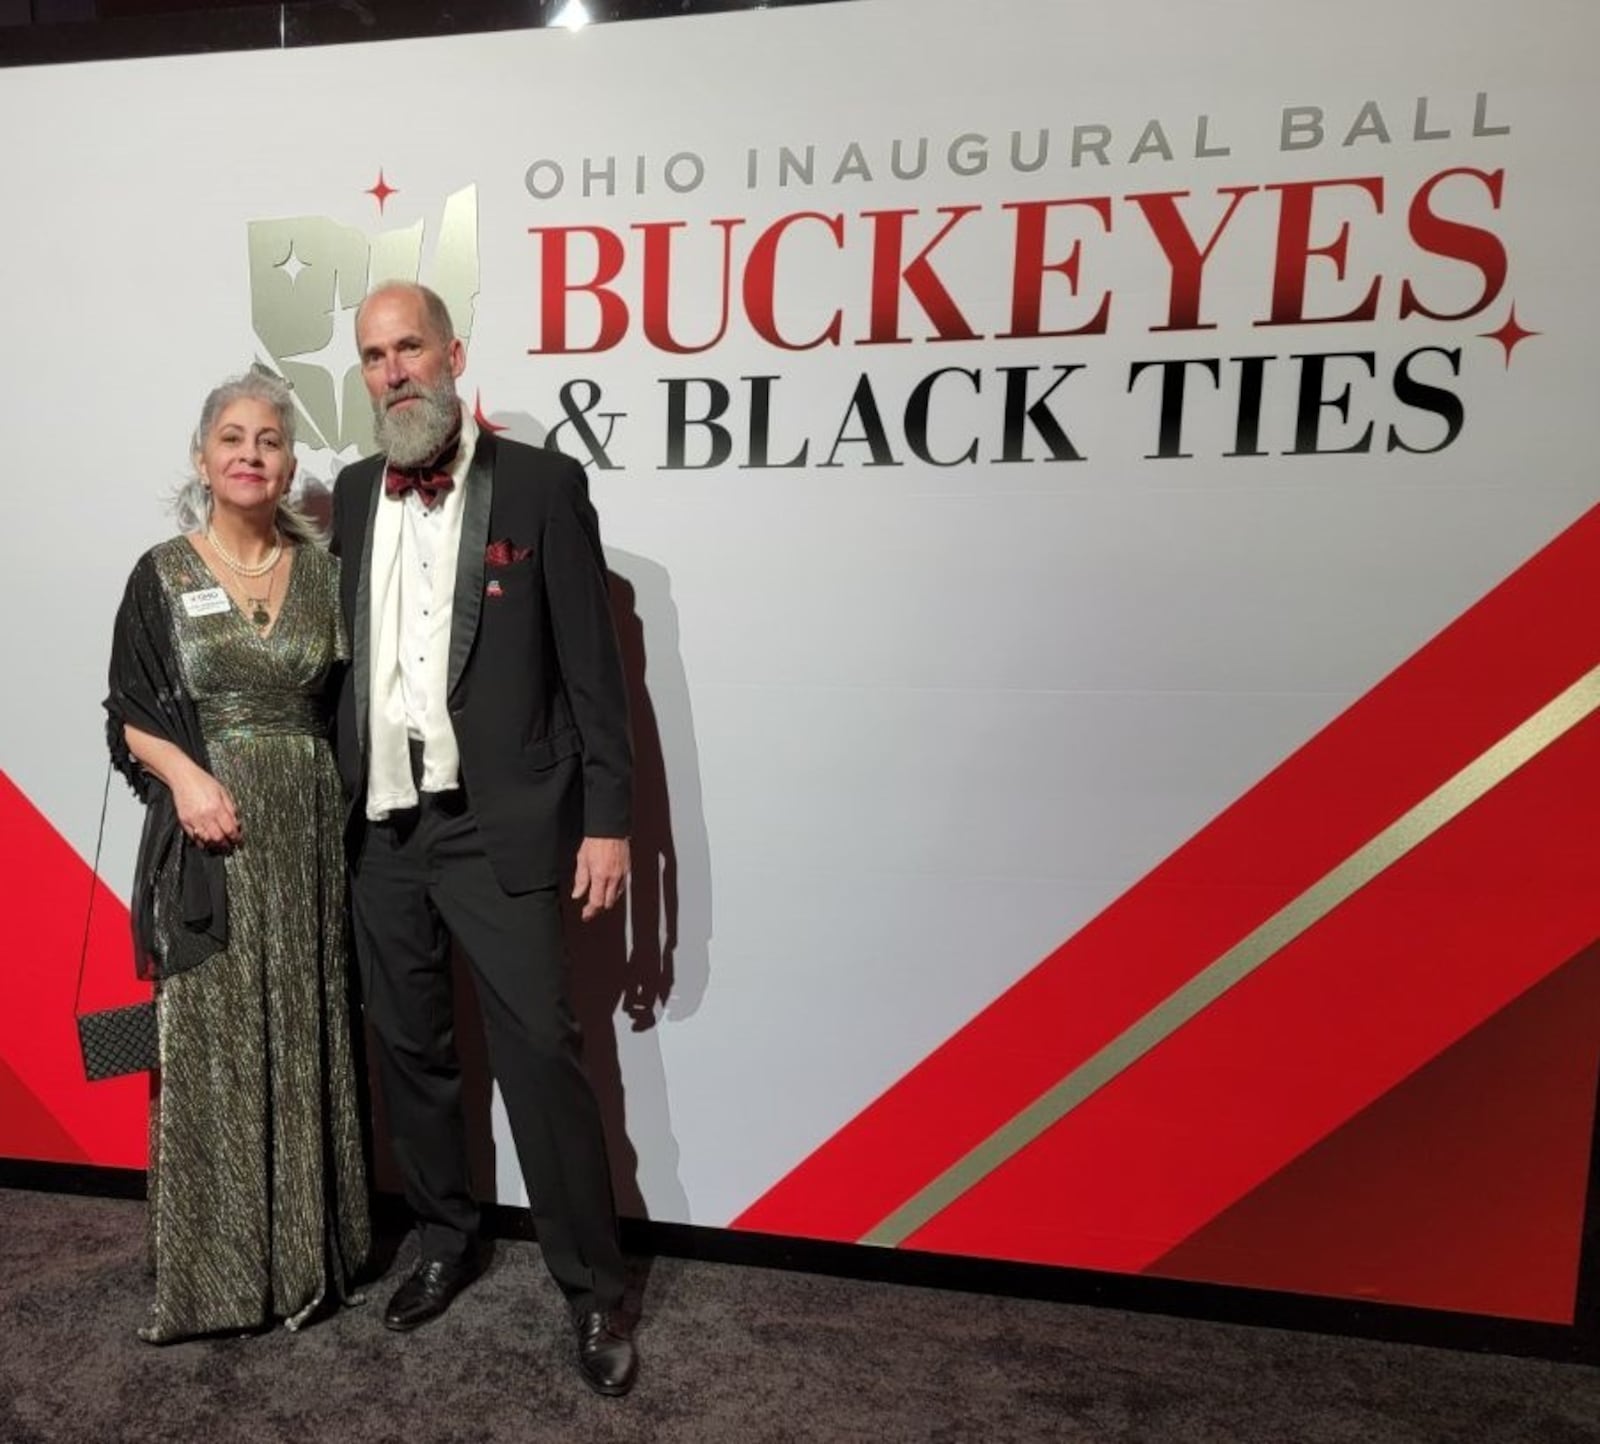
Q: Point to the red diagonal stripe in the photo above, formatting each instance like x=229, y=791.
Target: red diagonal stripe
x=1500, y=662
x=29, y=1130
x=1462, y=1189
x=48, y=888
x=1442, y=941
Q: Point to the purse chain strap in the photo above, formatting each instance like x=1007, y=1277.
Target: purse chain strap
x=94, y=887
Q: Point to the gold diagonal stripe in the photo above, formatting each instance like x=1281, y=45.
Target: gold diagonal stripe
x=1452, y=798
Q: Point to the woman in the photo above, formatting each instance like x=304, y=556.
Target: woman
x=225, y=644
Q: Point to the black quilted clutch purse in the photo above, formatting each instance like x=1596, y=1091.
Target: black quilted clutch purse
x=114, y=1041
x=118, y=1041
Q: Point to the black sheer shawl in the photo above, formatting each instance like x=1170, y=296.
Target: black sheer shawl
x=179, y=903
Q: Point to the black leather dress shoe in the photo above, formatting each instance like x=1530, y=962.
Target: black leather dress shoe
x=606, y=1356
x=428, y=1292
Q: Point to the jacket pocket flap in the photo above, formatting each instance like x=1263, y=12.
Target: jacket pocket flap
x=548, y=751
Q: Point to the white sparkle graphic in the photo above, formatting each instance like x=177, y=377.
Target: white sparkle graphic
x=291, y=265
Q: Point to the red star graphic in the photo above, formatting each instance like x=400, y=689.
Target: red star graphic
x=480, y=418
x=382, y=191
x=1509, y=335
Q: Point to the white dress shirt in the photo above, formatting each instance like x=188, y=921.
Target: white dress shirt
x=414, y=552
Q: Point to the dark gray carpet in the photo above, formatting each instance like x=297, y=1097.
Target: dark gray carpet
x=729, y=1354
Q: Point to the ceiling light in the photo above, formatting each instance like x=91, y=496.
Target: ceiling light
x=574, y=15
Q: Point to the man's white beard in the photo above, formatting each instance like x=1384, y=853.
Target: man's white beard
x=416, y=434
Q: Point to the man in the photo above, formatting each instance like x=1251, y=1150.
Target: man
x=482, y=732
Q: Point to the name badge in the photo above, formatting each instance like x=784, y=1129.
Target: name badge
x=206, y=602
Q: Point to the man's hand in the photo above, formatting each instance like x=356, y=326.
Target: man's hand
x=602, y=874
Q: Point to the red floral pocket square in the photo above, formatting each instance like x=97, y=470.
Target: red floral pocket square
x=504, y=554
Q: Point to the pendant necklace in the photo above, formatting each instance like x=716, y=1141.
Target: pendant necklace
x=267, y=567
x=258, y=607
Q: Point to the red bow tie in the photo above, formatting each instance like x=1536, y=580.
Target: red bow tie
x=430, y=482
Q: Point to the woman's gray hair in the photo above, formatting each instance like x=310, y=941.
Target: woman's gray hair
x=191, y=503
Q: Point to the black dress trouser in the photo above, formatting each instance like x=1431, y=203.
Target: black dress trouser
x=418, y=878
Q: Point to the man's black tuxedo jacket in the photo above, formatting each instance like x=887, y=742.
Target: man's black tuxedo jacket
x=535, y=690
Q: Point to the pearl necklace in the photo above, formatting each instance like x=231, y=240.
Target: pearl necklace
x=237, y=567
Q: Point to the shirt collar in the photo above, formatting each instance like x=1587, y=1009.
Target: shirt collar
x=469, y=444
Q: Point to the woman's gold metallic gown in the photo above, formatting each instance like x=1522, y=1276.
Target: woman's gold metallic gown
x=258, y=1200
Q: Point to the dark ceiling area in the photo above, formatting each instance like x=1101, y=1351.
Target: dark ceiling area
x=531, y=13
x=43, y=32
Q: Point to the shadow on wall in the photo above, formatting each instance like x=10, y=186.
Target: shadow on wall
x=650, y=963
x=653, y=964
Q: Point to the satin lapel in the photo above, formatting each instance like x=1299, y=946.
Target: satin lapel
x=468, y=603
x=361, y=631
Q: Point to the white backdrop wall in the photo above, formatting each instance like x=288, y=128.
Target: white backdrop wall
x=918, y=722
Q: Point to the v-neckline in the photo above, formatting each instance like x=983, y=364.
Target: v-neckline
x=233, y=601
